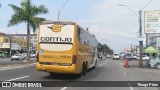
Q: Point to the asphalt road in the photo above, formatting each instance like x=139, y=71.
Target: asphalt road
x=107, y=70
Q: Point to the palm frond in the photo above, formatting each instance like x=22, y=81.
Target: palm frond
x=35, y=21
x=16, y=19
x=15, y=8
x=35, y=10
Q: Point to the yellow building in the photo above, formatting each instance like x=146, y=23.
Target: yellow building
x=6, y=39
x=19, y=43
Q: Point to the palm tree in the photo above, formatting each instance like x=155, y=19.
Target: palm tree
x=27, y=13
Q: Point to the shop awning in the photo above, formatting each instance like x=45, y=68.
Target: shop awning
x=151, y=49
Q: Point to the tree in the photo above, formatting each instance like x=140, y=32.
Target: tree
x=104, y=48
x=27, y=13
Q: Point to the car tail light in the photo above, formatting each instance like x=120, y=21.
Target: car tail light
x=74, y=59
x=37, y=57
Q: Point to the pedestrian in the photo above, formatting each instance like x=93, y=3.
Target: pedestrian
x=2, y=55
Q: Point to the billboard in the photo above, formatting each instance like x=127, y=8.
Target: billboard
x=14, y=46
x=151, y=22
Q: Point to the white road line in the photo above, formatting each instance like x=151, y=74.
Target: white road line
x=124, y=73
x=130, y=87
x=15, y=67
x=17, y=78
x=63, y=88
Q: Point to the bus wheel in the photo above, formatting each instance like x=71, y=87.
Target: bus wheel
x=84, y=69
x=83, y=72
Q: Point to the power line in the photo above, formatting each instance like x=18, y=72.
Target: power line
x=147, y=4
x=62, y=8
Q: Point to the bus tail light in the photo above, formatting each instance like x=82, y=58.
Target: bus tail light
x=37, y=57
x=74, y=59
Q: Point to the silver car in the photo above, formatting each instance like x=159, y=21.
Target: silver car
x=18, y=57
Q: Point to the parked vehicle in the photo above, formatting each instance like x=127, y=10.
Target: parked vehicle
x=32, y=55
x=144, y=58
x=116, y=56
x=18, y=57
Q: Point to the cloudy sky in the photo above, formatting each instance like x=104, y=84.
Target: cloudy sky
x=114, y=25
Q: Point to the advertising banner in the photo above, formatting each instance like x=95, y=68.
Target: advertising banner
x=151, y=22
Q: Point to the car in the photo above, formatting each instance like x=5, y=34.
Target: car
x=137, y=58
x=18, y=57
x=108, y=56
x=129, y=56
x=144, y=58
x=32, y=55
x=116, y=56
x=134, y=56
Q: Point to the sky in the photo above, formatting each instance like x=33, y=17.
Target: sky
x=112, y=24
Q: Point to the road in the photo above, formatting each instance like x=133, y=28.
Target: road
x=107, y=70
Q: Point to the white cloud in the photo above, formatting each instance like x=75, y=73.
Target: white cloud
x=118, y=26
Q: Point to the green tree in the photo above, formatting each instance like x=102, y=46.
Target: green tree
x=27, y=13
x=104, y=48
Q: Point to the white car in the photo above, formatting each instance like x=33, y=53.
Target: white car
x=18, y=57
x=134, y=57
x=108, y=56
x=32, y=55
x=116, y=56
x=144, y=58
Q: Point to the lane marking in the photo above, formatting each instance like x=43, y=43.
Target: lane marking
x=63, y=88
x=15, y=67
x=124, y=73
x=130, y=86
x=17, y=78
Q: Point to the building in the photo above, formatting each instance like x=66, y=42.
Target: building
x=16, y=43
x=33, y=40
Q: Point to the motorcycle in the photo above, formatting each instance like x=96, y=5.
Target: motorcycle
x=100, y=57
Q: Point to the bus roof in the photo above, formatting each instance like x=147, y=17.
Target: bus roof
x=58, y=22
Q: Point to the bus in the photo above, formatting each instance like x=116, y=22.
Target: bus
x=65, y=47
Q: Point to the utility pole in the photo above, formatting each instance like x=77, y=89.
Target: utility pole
x=10, y=41
x=140, y=42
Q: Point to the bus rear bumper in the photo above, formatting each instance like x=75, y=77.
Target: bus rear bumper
x=57, y=69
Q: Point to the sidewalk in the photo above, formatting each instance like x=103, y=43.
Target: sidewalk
x=7, y=62
x=135, y=64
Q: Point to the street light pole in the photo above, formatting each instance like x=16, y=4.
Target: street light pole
x=10, y=41
x=140, y=33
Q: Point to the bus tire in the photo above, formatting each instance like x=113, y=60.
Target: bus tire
x=83, y=72
x=51, y=74
x=85, y=69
